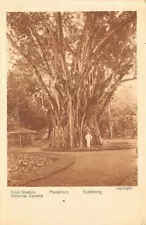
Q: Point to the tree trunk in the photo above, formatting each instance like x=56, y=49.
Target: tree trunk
x=70, y=111
x=98, y=133
x=110, y=122
x=81, y=131
x=93, y=125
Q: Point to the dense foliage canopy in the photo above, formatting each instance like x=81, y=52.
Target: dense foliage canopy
x=66, y=67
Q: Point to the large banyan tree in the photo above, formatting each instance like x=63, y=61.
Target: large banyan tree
x=79, y=59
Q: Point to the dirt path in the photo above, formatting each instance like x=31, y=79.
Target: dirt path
x=107, y=168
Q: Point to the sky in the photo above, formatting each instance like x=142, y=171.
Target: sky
x=127, y=92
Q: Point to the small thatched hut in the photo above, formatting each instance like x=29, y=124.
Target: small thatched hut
x=22, y=136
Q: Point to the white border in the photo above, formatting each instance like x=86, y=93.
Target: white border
x=112, y=207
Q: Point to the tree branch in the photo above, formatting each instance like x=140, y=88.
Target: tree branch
x=61, y=42
x=36, y=38
x=110, y=33
x=110, y=94
x=40, y=79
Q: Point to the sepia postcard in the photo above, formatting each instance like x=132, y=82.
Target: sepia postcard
x=72, y=114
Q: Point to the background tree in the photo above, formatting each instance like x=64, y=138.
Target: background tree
x=122, y=118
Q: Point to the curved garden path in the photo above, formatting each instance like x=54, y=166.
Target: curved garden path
x=104, y=168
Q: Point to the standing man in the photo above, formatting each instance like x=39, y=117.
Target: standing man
x=88, y=138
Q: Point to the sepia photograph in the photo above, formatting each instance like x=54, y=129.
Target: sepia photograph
x=72, y=99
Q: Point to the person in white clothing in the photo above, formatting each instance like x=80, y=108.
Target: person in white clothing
x=88, y=138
